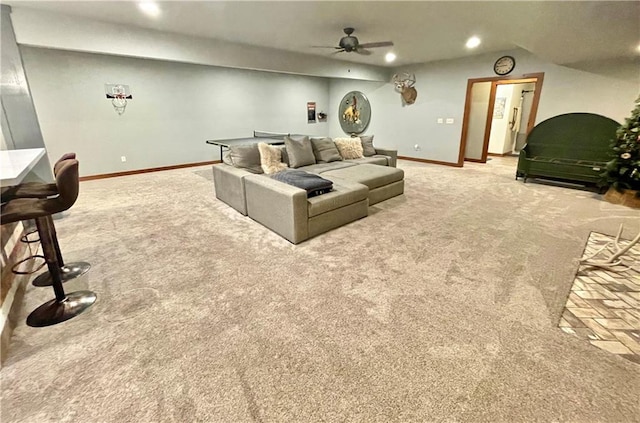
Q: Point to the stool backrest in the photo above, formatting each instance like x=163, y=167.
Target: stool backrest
x=68, y=183
x=66, y=156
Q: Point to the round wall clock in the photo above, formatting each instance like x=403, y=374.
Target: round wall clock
x=504, y=65
x=354, y=112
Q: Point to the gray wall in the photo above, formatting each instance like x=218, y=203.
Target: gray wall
x=175, y=107
x=441, y=93
x=178, y=106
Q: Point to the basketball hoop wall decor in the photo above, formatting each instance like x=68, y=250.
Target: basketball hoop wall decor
x=118, y=94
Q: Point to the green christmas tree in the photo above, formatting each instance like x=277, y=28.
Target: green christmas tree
x=623, y=171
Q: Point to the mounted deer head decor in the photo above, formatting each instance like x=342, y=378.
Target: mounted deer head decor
x=404, y=84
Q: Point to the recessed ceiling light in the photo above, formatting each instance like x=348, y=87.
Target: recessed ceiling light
x=150, y=8
x=638, y=48
x=473, y=42
x=390, y=57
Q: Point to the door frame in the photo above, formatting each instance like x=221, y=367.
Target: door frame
x=537, y=78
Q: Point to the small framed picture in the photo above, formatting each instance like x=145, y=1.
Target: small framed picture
x=311, y=112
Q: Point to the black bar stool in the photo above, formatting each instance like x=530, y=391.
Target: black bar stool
x=69, y=271
x=64, y=306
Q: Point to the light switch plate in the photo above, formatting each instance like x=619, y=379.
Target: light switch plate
x=449, y=121
x=440, y=120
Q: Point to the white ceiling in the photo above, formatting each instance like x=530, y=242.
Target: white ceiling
x=562, y=32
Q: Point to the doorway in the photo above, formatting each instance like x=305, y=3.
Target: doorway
x=501, y=104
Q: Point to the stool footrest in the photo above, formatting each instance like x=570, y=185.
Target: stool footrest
x=33, y=257
x=26, y=240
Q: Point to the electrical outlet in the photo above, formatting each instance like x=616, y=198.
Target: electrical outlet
x=440, y=120
x=123, y=159
x=449, y=121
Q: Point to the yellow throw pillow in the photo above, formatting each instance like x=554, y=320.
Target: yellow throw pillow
x=270, y=158
x=349, y=148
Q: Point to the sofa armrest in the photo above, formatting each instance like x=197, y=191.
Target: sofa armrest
x=229, y=186
x=280, y=207
x=393, y=155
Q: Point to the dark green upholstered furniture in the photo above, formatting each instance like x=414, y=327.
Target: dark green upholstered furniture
x=572, y=147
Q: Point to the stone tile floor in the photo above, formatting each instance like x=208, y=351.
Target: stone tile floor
x=604, y=306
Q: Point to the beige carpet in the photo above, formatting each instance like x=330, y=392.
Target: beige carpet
x=441, y=306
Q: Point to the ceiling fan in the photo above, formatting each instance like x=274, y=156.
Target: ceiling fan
x=350, y=44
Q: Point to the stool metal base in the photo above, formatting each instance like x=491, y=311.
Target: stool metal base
x=67, y=272
x=54, y=312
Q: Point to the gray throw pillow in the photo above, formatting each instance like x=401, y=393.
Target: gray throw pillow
x=226, y=158
x=367, y=145
x=299, y=151
x=325, y=150
x=246, y=157
x=285, y=158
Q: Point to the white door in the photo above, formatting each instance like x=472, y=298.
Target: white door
x=527, y=93
x=480, y=92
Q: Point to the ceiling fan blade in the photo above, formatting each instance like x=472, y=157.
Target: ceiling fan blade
x=337, y=51
x=324, y=47
x=363, y=52
x=378, y=44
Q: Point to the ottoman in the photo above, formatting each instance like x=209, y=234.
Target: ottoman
x=287, y=211
x=383, y=182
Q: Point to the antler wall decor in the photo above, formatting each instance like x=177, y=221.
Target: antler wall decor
x=613, y=255
x=404, y=84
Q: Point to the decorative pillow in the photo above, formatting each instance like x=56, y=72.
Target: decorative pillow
x=367, y=146
x=325, y=150
x=226, y=158
x=246, y=157
x=349, y=148
x=270, y=158
x=299, y=151
x=285, y=157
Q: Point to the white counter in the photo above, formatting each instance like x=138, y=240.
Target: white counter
x=15, y=164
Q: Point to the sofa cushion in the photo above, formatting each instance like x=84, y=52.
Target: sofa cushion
x=325, y=150
x=270, y=158
x=377, y=160
x=367, y=145
x=323, y=167
x=300, y=151
x=373, y=176
x=349, y=148
x=344, y=193
x=246, y=157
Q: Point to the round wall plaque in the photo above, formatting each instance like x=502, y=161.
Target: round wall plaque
x=354, y=112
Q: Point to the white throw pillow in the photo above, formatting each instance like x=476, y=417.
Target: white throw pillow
x=349, y=148
x=270, y=158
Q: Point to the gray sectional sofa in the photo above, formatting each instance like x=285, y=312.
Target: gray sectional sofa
x=286, y=210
